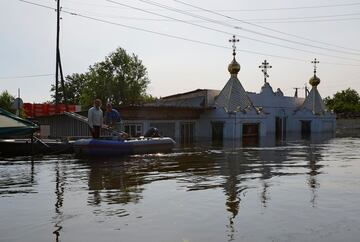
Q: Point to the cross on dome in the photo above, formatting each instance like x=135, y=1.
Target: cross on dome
x=233, y=41
x=315, y=62
x=265, y=66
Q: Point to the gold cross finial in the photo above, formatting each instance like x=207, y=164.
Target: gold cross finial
x=233, y=41
x=315, y=62
x=265, y=65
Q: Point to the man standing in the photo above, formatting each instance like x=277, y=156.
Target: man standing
x=112, y=116
x=95, y=119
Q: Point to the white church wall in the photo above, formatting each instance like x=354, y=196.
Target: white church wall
x=316, y=125
x=329, y=125
x=233, y=122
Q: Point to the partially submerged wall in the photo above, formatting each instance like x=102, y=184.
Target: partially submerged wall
x=348, y=127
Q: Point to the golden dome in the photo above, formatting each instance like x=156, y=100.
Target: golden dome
x=314, y=81
x=234, y=67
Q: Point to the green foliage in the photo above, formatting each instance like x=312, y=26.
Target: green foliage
x=73, y=85
x=121, y=78
x=344, y=102
x=149, y=99
x=6, y=101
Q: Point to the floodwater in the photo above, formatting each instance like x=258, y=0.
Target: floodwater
x=297, y=190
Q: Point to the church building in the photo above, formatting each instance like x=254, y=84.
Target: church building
x=233, y=113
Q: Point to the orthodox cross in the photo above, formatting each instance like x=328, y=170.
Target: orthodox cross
x=233, y=41
x=315, y=62
x=265, y=65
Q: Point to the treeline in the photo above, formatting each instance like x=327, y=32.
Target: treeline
x=345, y=103
x=120, y=79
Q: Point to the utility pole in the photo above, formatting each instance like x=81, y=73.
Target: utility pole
x=58, y=64
x=296, y=91
x=63, y=85
x=57, y=57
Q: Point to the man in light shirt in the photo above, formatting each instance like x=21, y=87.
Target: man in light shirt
x=95, y=119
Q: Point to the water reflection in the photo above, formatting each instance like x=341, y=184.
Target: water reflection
x=114, y=182
x=231, y=170
x=122, y=181
x=314, y=170
x=17, y=176
x=60, y=176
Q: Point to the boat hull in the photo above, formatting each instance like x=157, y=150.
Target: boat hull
x=99, y=147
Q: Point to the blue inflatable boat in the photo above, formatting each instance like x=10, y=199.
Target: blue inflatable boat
x=108, y=147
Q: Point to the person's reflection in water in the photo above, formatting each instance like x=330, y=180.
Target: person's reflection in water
x=114, y=182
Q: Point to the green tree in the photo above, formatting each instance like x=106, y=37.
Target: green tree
x=6, y=101
x=73, y=83
x=344, y=101
x=121, y=79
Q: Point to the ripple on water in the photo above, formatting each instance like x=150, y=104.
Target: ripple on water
x=297, y=191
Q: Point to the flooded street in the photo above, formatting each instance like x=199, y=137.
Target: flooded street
x=299, y=190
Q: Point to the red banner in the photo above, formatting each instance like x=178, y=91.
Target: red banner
x=45, y=109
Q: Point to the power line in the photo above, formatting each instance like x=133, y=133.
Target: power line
x=37, y=4
x=294, y=8
x=244, y=10
x=235, y=27
x=306, y=17
x=128, y=26
x=26, y=76
x=268, y=20
x=169, y=35
x=266, y=28
x=252, y=20
x=306, y=21
x=221, y=31
x=163, y=34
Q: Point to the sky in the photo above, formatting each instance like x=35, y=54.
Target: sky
x=184, y=44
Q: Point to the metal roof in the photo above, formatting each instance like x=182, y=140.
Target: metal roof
x=233, y=97
x=314, y=102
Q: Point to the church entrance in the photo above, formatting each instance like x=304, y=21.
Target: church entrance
x=217, y=129
x=305, y=128
x=187, y=132
x=250, y=134
x=280, y=127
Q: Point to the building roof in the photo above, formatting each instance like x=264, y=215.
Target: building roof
x=314, y=102
x=233, y=97
x=267, y=98
x=199, y=98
